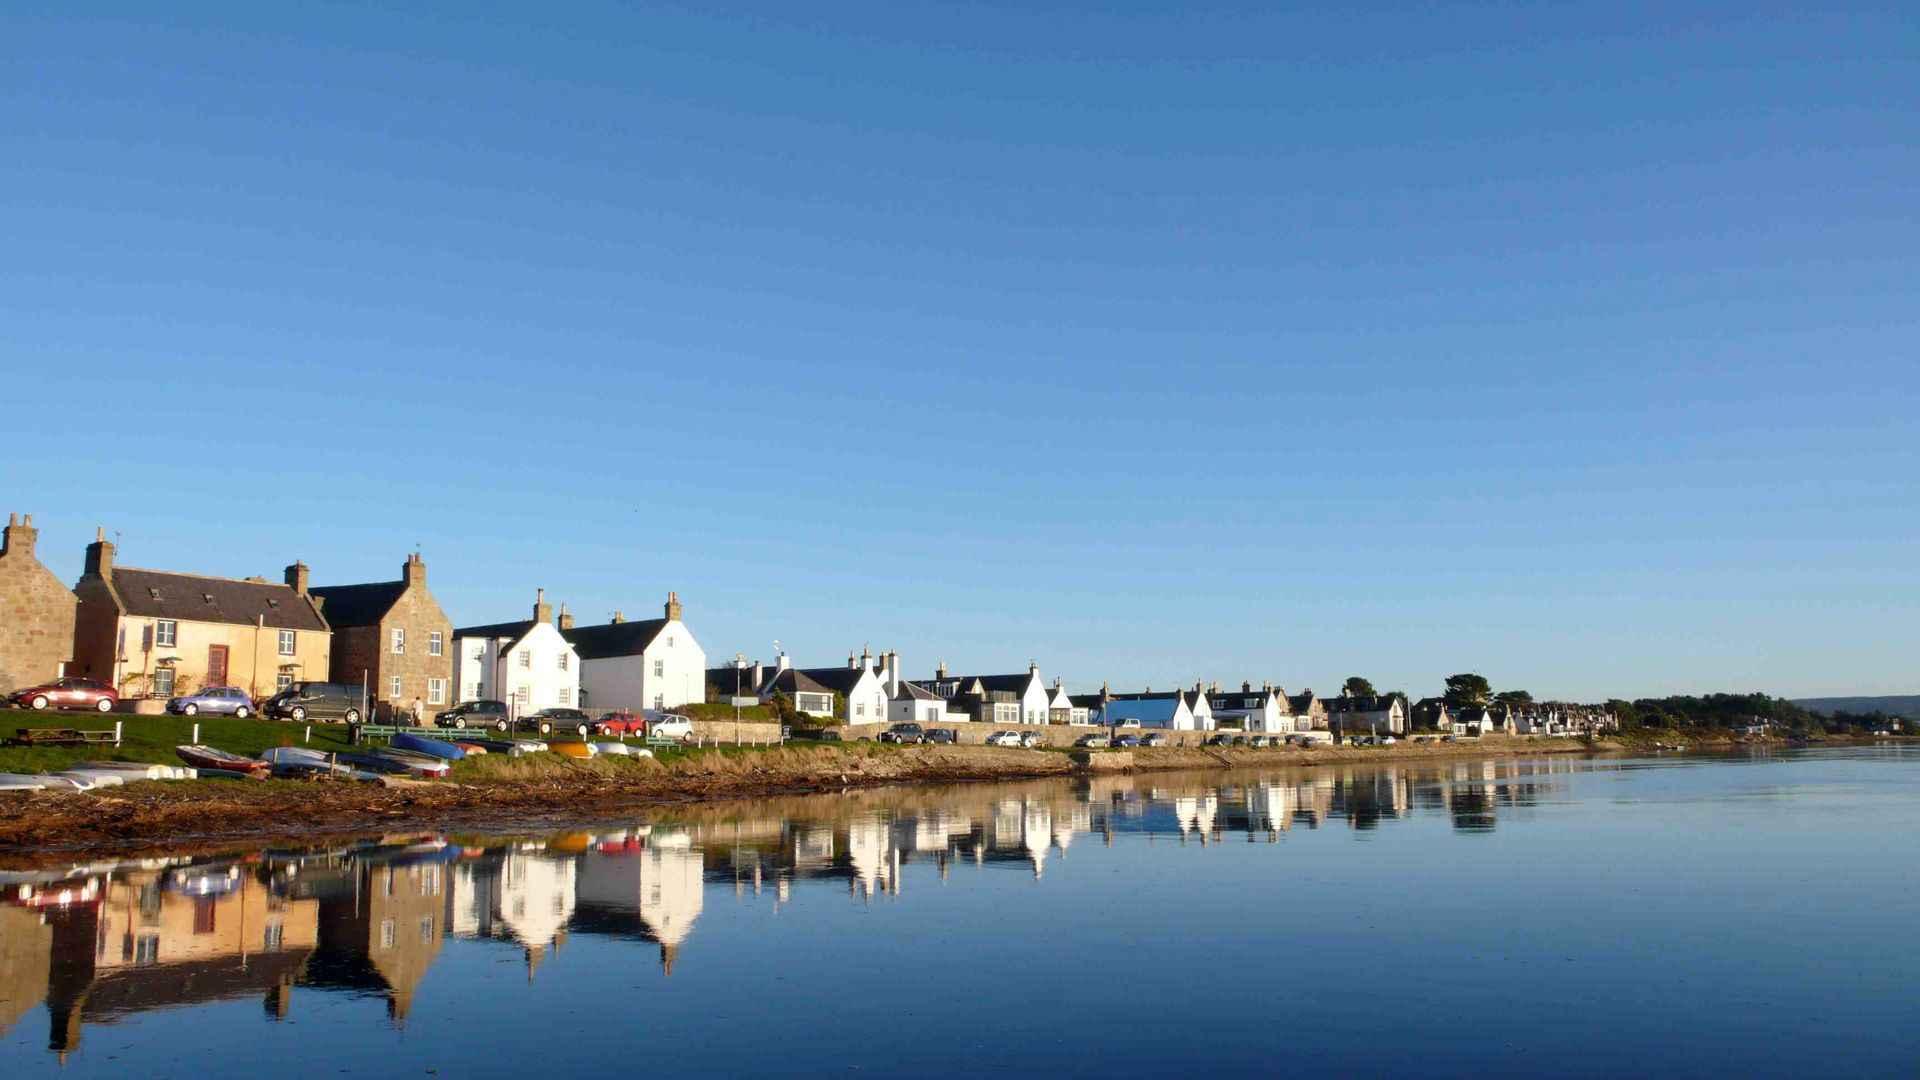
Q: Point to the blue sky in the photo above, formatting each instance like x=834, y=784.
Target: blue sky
x=1151, y=342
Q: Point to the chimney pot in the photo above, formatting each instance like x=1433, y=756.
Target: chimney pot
x=673, y=607
x=618, y=618
x=297, y=577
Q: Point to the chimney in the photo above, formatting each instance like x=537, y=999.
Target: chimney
x=542, y=611
x=781, y=663
x=618, y=618
x=19, y=536
x=891, y=662
x=414, y=572
x=566, y=620
x=1246, y=686
x=866, y=660
x=852, y=660
x=1058, y=682
x=100, y=554
x=1033, y=667
x=673, y=607
x=297, y=577
x=943, y=670
x=759, y=676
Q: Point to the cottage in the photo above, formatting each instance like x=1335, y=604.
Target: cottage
x=393, y=637
x=1469, y=721
x=1264, y=710
x=916, y=704
x=1171, y=710
x=1309, y=712
x=36, y=612
x=526, y=664
x=1351, y=715
x=1062, y=707
x=995, y=699
x=158, y=633
x=855, y=694
x=647, y=664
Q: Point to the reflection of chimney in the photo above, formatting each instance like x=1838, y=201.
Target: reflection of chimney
x=667, y=955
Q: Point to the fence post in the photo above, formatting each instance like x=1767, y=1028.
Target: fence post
x=196, y=734
x=309, y=735
x=116, y=731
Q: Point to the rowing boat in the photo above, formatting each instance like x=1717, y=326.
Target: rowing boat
x=420, y=744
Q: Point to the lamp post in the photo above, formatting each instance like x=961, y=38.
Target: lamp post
x=739, y=667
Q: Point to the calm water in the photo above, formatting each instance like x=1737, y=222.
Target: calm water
x=1743, y=917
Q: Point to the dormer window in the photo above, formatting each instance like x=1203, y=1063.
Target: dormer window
x=153, y=592
x=273, y=602
x=207, y=596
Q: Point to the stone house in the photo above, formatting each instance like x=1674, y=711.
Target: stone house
x=36, y=612
x=1262, y=710
x=1350, y=715
x=157, y=633
x=393, y=635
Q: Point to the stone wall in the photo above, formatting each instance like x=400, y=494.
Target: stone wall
x=1060, y=735
x=36, y=613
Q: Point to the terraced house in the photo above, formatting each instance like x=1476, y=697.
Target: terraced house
x=158, y=633
x=526, y=664
x=392, y=635
x=36, y=612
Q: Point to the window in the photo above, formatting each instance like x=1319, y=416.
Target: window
x=165, y=633
x=146, y=949
x=274, y=936
x=860, y=709
x=659, y=701
x=436, y=643
x=669, y=641
x=386, y=933
x=659, y=668
x=526, y=658
x=426, y=929
x=436, y=691
x=393, y=687
x=563, y=661
x=566, y=695
x=120, y=644
x=520, y=697
x=287, y=639
x=399, y=639
x=163, y=682
x=282, y=681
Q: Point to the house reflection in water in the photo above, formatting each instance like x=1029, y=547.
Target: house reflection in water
x=645, y=887
x=382, y=922
x=523, y=893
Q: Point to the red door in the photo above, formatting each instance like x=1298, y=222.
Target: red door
x=216, y=665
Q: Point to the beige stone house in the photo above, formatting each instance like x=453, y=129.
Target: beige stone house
x=154, y=633
x=393, y=635
x=36, y=612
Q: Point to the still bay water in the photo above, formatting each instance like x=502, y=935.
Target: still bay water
x=1756, y=915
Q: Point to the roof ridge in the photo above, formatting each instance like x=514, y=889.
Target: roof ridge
x=256, y=580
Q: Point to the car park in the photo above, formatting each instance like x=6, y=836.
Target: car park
x=477, y=715
x=904, y=734
x=1093, y=742
x=547, y=721
x=620, y=724
x=1239, y=740
x=1004, y=738
x=1158, y=738
x=943, y=736
x=1031, y=739
x=213, y=700
x=70, y=693
x=305, y=701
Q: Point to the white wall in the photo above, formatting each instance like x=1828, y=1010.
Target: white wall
x=543, y=677
x=628, y=682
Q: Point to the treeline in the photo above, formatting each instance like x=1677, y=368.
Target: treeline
x=1739, y=710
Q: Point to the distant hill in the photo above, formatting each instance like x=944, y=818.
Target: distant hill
x=1892, y=705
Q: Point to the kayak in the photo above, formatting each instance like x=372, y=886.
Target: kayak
x=420, y=744
x=572, y=749
x=207, y=758
x=425, y=766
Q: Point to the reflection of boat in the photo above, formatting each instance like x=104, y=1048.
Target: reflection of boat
x=207, y=757
x=420, y=744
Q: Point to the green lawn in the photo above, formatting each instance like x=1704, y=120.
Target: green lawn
x=152, y=738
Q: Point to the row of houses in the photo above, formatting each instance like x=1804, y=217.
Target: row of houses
x=156, y=633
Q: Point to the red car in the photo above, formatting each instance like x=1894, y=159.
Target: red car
x=620, y=723
x=67, y=694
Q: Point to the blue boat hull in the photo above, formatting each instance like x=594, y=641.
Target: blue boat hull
x=420, y=744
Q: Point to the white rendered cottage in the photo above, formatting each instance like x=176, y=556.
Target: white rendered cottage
x=855, y=694
x=1261, y=711
x=1021, y=698
x=527, y=664
x=646, y=664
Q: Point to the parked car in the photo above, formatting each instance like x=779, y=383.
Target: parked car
x=943, y=736
x=1239, y=740
x=1005, y=738
x=904, y=733
x=572, y=721
x=1127, y=723
x=1126, y=741
x=1031, y=739
x=669, y=726
x=1387, y=740
x=474, y=714
x=620, y=724
x=1219, y=740
x=1448, y=738
x=73, y=693
x=216, y=700
x=1260, y=740
x=1158, y=738
x=1093, y=742
x=305, y=701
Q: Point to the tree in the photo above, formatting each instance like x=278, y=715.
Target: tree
x=1356, y=686
x=1468, y=689
x=1513, y=699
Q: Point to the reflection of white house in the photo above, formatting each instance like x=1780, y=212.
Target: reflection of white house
x=532, y=900
x=671, y=891
x=1196, y=814
x=874, y=859
x=526, y=664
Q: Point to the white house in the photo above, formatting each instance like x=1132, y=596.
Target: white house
x=994, y=699
x=1469, y=720
x=1263, y=711
x=1170, y=710
x=916, y=704
x=1370, y=715
x=527, y=664
x=1061, y=706
x=647, y=664
x=855, y=694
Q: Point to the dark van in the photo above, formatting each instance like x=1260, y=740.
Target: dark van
x=315, y=701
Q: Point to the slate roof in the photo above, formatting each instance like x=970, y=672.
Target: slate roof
x=512, y=630
x=838, y=680
x=359, y=605
x=614, y=639
x=1343, y=705
x=1084, y=701
x=914, y=691
x=160, y=594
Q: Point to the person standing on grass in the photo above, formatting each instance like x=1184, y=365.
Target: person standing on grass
x=419, y=712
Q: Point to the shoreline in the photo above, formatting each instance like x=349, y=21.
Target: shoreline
x=527, y=793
